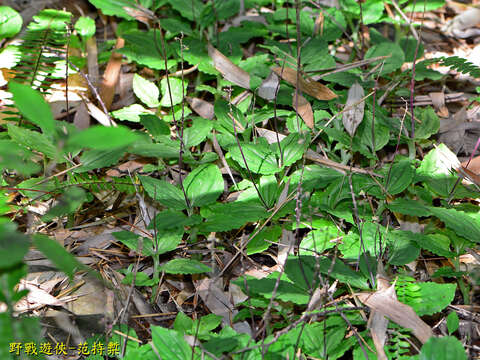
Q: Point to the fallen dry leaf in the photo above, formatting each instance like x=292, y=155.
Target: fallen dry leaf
x=385, y=302
x=201, y=107
x=353, y=115
x=229, y=70
x=111, y=75
x=304, y=109
x=310, y=87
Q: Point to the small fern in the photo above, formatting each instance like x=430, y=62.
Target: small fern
x=457, y=63
x=43, y=46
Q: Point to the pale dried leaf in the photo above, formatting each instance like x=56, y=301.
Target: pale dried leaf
x=201, y=107
x=353, y=116
x=304, y=109
x=216, y=300
x=438, y=100
x=385, y=302
x=308, y=86
x=111, y=75
x=229, y=70
x=268, y=87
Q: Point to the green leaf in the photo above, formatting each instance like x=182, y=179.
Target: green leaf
x=460, y=222
x=114, y=7
x=102, y=138
x=321, y=238
x=62, y=259
x=409, y=207
x=146, y=91
x=164, y=192
x=452, y=322
x=401, y=176
x=12, y=243
x=194, y=135
x=10, y=22
x=372, y=11
x=85, y=27
x=155, y=126
x=264, y=239
x=204, y=185
x=393, y=62
x=443, y=348
x=426, y=298
x=260, y=158
x=189, y=9
x=176, y=91
x=424, y=6
x=171, y=219
x=168, y=240
x=142, y=245
x=130, y=113
x=96, y=159
x=402, y=247
x=170, y=344
x=430, y=124
x=68, y=204
x=32, y=105
x=184, y=266
x=293, y=148
x=15, y=157
x=34, y=140
x=228, y=216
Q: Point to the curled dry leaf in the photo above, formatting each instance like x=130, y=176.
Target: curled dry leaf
x=353, y=116
x=308, y=86
x=384, y=301
x=229, y=70
x=268, y=87
x=201, y=107
x=303, y=108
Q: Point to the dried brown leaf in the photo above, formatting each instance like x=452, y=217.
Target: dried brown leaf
x=385, y=302
x=310, y=87
x=201, y=107
x=304, y=109
x=353, y=115
x=229, y=70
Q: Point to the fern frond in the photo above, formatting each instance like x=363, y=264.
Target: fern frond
x=457, y=63
x=44, y=44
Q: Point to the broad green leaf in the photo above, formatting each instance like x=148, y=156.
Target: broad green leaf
x=301, y=270
x=114, y=7
x=32, y=105
x=268, y=189
x=393, y=62
x=130, y=113
x=429, y=123
x=182, y=323
x=194, y=135
x=57, y=254
x=170, y=344
x=443, y=348
x=452, y=322
x=228, y=216
x=15, y=157
x=204, y=185
x=227, y=116
x=175, y=90
x=163, y=149
x=102, y=138
x=259, y=158
x=10, y=22
x=401, y=176
x=402, y=247
x=140, y=244
x=293, y=148
x=184, y=266
x=264, y=239
x=85, y=26
x=189, y=9
x=164, y=192
x=171, y=219
x=168, y=240
x=463, y=224
x=409, y=207
x=372, y=11
x=154, y=125
x=426, y=298
x=352, y=246
x=141, y=279
x=146, y=91
x=34, y=140
x=424, y=6
x=96, y=159
x=323, y=237
x=12, y=243
x=68, y=204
